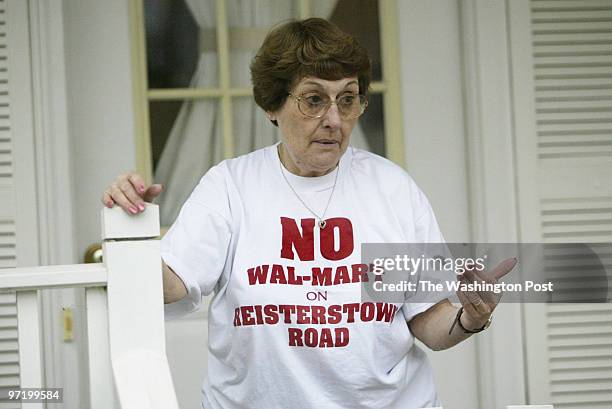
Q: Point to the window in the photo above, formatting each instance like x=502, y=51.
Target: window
x=193, y=94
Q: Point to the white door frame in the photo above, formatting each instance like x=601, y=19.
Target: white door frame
x=54, y=184
x=492, y=169
x=537, y=384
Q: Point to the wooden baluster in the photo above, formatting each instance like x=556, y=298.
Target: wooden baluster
x=30, y=349
x=101, y=386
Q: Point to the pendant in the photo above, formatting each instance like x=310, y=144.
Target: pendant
x=322, y=224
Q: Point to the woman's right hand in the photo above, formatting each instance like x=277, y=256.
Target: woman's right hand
x=129, y=191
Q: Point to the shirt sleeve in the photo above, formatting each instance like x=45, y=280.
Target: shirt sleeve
x=426, y=230
x=196, y=245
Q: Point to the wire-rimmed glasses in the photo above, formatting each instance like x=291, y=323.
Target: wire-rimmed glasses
x=316, y=105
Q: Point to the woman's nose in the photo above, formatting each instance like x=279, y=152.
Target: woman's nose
x=332, y=118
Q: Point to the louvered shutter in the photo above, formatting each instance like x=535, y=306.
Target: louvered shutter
x=18, y=224
x=569, y=346
x=9, y=366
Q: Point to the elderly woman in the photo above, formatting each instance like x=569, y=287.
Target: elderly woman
x=276, y=235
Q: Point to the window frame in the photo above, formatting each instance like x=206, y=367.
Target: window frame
x=389, y=87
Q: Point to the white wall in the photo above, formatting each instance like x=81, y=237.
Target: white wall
x=432, y=97
x=430, y=56
x=101, y=119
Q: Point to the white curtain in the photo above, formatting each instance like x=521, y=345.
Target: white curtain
x=195, y=142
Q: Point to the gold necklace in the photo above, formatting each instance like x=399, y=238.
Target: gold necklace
x=321, y=222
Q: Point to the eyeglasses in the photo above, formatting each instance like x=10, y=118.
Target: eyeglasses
x=315, y=105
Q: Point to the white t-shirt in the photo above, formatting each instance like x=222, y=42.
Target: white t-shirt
x=286, y=326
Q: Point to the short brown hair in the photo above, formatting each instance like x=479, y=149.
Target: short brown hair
x=297, y=49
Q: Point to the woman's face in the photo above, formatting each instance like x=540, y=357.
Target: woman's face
x=313, y=146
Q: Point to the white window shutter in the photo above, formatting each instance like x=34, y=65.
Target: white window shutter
x=569, y=346
x=18, y=217
x=9, y=359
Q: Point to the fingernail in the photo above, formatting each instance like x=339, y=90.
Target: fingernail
x=109, y=204
x=141, y=188
x=141, y=207
x=133, y=210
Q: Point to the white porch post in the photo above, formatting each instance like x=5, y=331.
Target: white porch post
x=135, y=309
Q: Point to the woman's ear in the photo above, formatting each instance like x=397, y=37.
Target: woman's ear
x=272, y=118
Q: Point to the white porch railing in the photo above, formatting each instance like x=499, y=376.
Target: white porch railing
x=125, y=317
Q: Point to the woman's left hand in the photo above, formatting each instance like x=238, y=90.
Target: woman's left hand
x=479, y=305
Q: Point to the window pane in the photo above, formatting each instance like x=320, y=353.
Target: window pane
x=360, y=18
x=249, y=22
x=162, y=116
x=251, y=128
x=180, y=39
x=186, y=139
x=372, y=124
